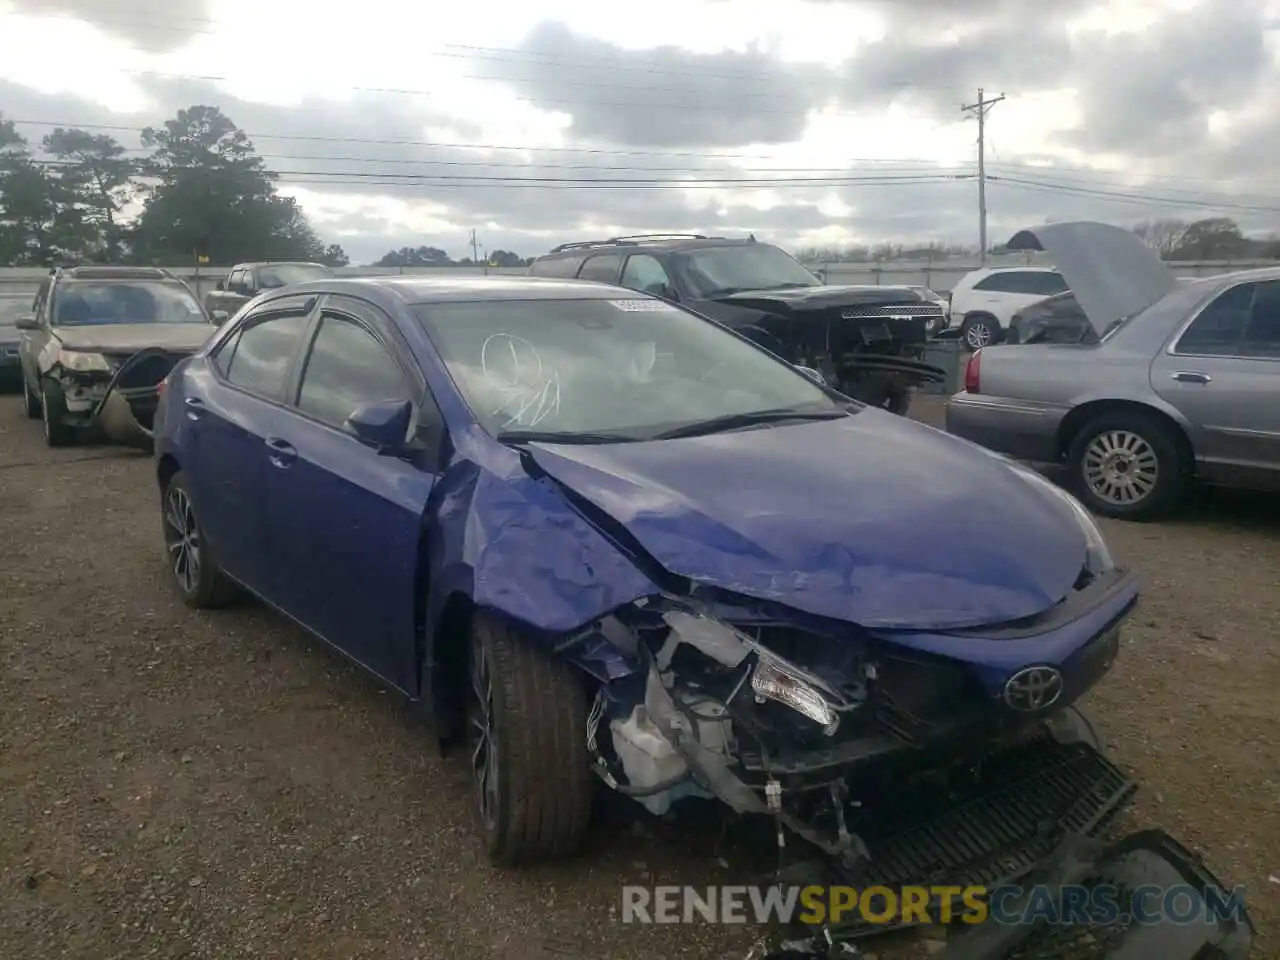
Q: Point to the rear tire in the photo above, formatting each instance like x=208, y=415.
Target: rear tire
x=527, y=738
x=1130, y=465
x=53, y=410
x=194, y=569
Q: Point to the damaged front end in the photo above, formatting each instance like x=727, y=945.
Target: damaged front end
x=834, y=736
x=116, y=394
x=868, y=342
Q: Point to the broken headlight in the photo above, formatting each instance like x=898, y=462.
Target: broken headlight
x=82, y=362
x=1098, y=556
x=774, y=679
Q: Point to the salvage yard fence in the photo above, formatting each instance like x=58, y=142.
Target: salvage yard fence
x=20, y=283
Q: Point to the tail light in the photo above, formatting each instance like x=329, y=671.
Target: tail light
x=973, y=373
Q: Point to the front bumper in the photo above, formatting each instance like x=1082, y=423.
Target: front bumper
x=121, y=405
x=10, y=363
x=1023, y=429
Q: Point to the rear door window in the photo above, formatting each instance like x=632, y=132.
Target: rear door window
x=603, y=267
x=1219, y=328
x=258, y=356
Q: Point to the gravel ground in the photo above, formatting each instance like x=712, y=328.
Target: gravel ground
x=175, y=784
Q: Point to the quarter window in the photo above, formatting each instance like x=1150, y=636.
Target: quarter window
x=565, y=268
x=602, y=267
x=1262, y=333
x=260, y=352
x=346, y=368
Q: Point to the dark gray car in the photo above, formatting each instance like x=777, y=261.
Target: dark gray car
x=1181, y=385
x=246, y=280
x=10, y=364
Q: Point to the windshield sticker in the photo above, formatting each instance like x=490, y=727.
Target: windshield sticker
x=529, y=392
x=642, y=306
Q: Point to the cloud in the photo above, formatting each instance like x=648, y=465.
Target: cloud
x=665, y=96
x=1121, y=111
x=139, y=22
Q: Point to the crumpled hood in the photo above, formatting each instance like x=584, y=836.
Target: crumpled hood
x=1112, y=272
x=821, y=297
x=123, y=337
x=871, y=519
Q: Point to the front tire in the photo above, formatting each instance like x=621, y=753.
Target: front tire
x=527, y=733
x=1130, y=465
x=30, y=402
x=53, y=410
x=200, y=581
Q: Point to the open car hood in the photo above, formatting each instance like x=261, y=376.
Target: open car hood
x=821, y=297
x=870, y=519
x=1112, y=272
x=131, y=337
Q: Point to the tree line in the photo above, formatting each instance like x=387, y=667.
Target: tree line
x=425, y=256
x=199, y=193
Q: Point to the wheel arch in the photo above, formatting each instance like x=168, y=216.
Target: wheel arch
x=1083, y=413
x=166, y=468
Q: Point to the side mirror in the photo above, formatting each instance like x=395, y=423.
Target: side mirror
x=814, y=375
x=220, y=285
x=383, y=425
x=220, y=317
x=27, y=321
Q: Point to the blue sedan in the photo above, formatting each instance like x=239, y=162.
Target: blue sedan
x=601, y=538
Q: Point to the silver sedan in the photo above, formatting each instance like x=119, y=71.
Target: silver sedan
x=1183, y=385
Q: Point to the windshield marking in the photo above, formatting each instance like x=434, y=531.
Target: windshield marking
x=530, y=394
x=641, y=306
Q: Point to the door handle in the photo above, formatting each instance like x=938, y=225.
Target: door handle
x=282, y=454
x=195, y=408
x=1191, y=376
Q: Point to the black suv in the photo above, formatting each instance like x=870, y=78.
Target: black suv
x=868, y=341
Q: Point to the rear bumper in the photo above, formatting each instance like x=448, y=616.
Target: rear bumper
x=1025, y=430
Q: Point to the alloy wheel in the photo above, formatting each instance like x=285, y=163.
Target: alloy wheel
x=483, y=738
x=1120, y=467
x=182, y=538
x=978, y=335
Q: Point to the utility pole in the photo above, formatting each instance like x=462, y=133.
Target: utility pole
x=475, y=256
x=980, y=110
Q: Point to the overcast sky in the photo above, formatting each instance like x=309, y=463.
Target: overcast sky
x=399, y=123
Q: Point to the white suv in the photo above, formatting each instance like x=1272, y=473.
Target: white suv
x=984, y=301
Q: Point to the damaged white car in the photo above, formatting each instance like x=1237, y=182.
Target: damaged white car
x=96, y=345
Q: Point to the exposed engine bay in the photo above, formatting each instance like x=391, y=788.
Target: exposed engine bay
x=868, y=342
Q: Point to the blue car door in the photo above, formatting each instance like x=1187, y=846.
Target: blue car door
x=233, y=405
x=346, y=520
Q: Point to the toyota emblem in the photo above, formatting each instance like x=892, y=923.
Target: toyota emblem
x=1033, y=688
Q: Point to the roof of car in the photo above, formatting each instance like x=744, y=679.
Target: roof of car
x=109, y=272
x=664, y=241
x=444, y=289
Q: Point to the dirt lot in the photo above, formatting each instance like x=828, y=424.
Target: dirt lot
x=186, y=785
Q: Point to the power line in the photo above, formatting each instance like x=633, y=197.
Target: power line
x=1137, y=198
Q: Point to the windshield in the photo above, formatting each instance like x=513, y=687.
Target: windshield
x=626, y=369
x=83, y=302
x=283, y=274
x=720, y=271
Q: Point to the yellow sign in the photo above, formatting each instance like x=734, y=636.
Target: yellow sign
x=202, y=259
x=820, y=905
